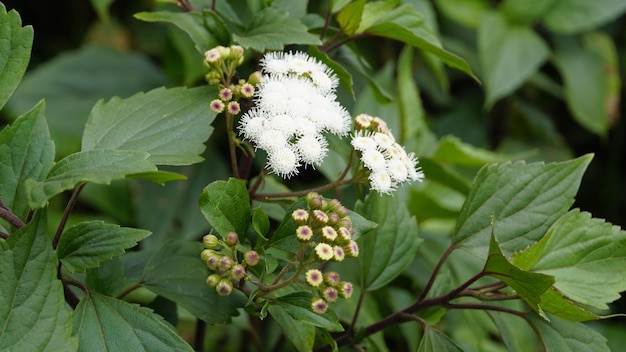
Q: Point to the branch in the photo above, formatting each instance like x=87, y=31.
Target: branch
x=433, y=276
x=8, y=215
x=66, y=213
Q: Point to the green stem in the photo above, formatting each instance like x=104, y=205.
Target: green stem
x=232, y=148
x=128, y=290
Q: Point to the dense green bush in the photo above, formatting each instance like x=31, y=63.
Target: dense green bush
x=280, y=175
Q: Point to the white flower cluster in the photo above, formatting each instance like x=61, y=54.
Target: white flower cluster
x=388, y=162
x=295, y=104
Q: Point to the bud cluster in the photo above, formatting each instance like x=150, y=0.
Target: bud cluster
x=222, y=63
x=327, y=228
x=220, y=256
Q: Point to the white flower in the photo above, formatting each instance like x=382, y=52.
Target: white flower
x=311, y=149
x=252, y=124
x=271, y=140
x=363, y=143
x=381, y=182
x=397, y=170
x=283, y=162
x=374, y=160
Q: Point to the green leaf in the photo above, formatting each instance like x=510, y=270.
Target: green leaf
x=300, y=334
x=349, y=18
x=272, y=29
x=465, y=12
x=452, y=150
x=410, y=110
x=560, y=335
x=33, y=312
x=260, y=221
x=154, y=122
x=509, y=55
x=205, y=29
x=389, y=248
x=586, y=91
x=584, y=255
x=73, y=82
x=15, y=45
x=98, y=166
x=184, y=282
x=524, y=200
x=373, y=11
x=553, y=302
x=298, y=306
x=108, y=278
x=26, y=151
x=434, y=341
x=226, y=205
x=159, y=177
x=574, y=16
x=530, y=286
x=102, y=8
x=408, y=26
x=87, y=244
x=345, y=78
x=105, y=323
x=284, y=237
x=525, y=12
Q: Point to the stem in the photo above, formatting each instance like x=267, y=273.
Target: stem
x=433, y=276
x=478, y=306
x=356, y=312
x=66, y=213
x=4, y=235
x=340, y=43
x=326, y=22
x=8, y=215
x=128, y=290
x=231, y=144
x=198, y=339
x=257, y=182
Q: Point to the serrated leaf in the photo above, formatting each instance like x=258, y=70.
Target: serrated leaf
x=70, y=96
x=26, y=151
x=298, y=306
x=574, y=16
x=108, y=278
x=389, y=248
x=349, y=18
x=301, y=335
x=586, y=91
x=524, y=200
x=272, y=29
x=408, y=26
x=97, y=166
x=435, y=341
x=584, y=255
x=205, y=29
x=226, y=205
x=87, y=244
x=530, y=286
x=561, y=335
x=452, y=150
x=509, y=55
x=105, y=323
x=154, y=122
x=284, y=237
x=15, y=45
x=33, y=312
x=553, y=302
x=184, y=282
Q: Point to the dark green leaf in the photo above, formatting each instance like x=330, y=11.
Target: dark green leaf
x=465, y=12
x=574, y=16
x=509, y=55
x=524, y=200
x=226, y=205
x=389, y=248
x=260, y=221
x=26, y=151
x=15, y=45
x=553, y=302
x=33, y=312
x=170, y=124
x=410, y=110
x=272, y=29
x=105, y=323
x=300, y=334
x=159, y=177
x=298, y=306
x=285, y=235
x=345, y=78
x=87, y=244
x=108, y=278
x=98, y=166
x=452, y=150
x=525, y=12
x=561, y=335
x=436, y=341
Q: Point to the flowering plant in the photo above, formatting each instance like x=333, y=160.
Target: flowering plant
x=289, y=192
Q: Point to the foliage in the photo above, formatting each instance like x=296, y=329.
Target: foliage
x=333, y=186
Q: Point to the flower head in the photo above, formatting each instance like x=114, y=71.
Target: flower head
x=324, y=251
x=217, y=106
x=314, y=277
x=304, y=233
x=319, y=306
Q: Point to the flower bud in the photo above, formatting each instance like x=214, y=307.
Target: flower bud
x=213, y=280
x=213, y=261
x=255, y=78
x=231, y=239
x=210, y=241
x=328, y=234
x=304, y=233
x=224, y=287
x=234, y=108
x=338, y=254
x=300, y=216
x=319, y=217
x=314, y=200
x=351, y=249
x=238, y=272
x=333, y=218
x=345, y=289
x=204, y=255
x=343, y=235
x=225, y=263
x=324, y=252
x=217, y=106
x=247, y=90
x=225, y=94
x=314, y=277
x=331, y=278
x=330, y=294
x=251, y=258
x=319, y=306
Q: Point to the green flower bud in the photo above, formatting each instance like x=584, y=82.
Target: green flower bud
x=255, y=78
x=319, y=306
x=210, y=241
x=251, y=258
x=213, y=280
x=225, y=263
x=238, y=272
x=231, y=239
x=224, y=287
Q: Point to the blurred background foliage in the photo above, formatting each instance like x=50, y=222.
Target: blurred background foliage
x=550, y=72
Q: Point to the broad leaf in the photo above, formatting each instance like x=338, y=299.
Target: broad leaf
x=410, y=110
x=389, y=248
x=284, y=237
x=170, y=124
x=561, y=335
x=408, y=26
x=525, y=12
x=298, y=306
x=15, y=45
x=300, y=334
x=586, y=91
x=452, y=150
x=98, y=166
x=226, y=205
x=435, y=341
x=553, y=302
x=87, y=244
x=465, y=12
x=574, y=16
x=33, y=312
x=345, y=78
x=108, y=278
x=184, y=282
x=102, y=8
x=524, y=200
x=73, y=82
x=26, y=151
x=349, y=18
x=530, y=286
x=105, y=323
x=585, y=256
x=205, y=29
x=272, y=29
x=509, y=55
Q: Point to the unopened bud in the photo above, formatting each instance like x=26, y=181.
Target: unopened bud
x=238, y=272
x=210, y=241
x=251, y=258
x=224, y=287
x=255, y=78
x=231, y=239
x=225, y=263
x=213, y=280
